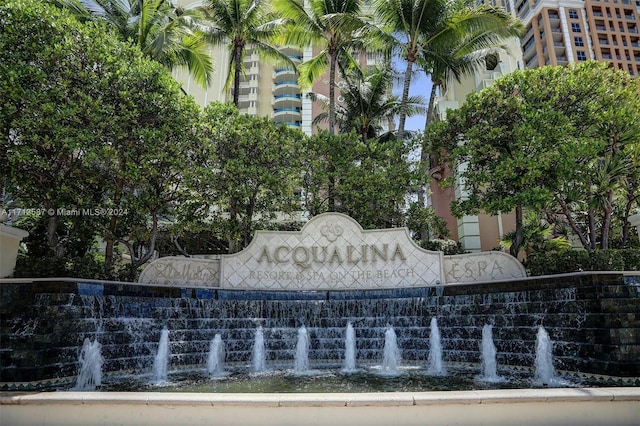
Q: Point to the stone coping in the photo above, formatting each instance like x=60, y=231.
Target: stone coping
x=530, y=278
x=326, y=399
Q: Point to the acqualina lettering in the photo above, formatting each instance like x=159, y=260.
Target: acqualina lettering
x=305, y=256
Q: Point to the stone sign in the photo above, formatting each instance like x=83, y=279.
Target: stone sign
x=182, y=271
x=482, y=267
x=332, y=252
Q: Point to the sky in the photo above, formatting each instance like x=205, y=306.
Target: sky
x=420, y=85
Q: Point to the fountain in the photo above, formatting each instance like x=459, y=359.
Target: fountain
x=90, y=359
x=215, y=361
x=489, y=363
x=161, y=361
x=391, y=353
x=436, y=365
x=544, y=371
x=259, y=353
x=331, y=273
x=301, y=364
x=349, y=350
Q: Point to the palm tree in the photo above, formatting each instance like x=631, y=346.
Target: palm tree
x=165, y=33
x=368, y=104
x=406, y=22
x=427, y=28
x=240, y=24
x=454, y=51
x=333, y=27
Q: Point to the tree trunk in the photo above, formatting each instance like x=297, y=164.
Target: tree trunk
x=332, y=93
x=606, y=222
x=113, y=223
x=430, y=117
x=178, y=247
x=234, y=242
x=592, y=230
x=425, y=157
x=237, y=73
x=405, y=97
x=631, y=199
x=518, y=238
x=573, y=224
x=52, y=236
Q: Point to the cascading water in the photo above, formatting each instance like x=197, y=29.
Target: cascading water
x=215, y=361
x=161, y=361
x=350, y=350
x=489, y=363
x=259, y=353
x=301, y=363
x=544, y=371
x=131, y=314
x=90, y=359
x=436, y=365
x=391, y=355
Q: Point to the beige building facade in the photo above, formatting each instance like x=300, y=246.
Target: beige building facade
x=562, y=31
x=557, y=32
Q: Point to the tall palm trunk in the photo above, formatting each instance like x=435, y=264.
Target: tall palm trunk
x=425, y=154
x=430, y=117
x=332, y=91
x=237, y=72
x=411, y=57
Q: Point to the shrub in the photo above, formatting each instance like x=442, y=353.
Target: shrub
x=582, y=260
x=449, y=247
x=90, y=266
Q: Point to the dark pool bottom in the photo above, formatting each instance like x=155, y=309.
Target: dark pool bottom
x=367, y=379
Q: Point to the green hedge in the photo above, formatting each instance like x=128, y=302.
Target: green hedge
x=582, y=260
x=91, y=267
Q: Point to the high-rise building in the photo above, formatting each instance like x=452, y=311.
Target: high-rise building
x=266, y=89
x=475, y=232
x=562, y=31
x=557, y=32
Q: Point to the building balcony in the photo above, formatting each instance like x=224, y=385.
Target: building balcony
x=287, y=114
x=286, y=88
x=533, y=62
x=292, y=124
x=529, y=52
x=287, y=101
x=281, y=75
x=292, y=52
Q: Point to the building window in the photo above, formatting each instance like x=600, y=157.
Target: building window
x=573, y=14
x=582, y=56
x=575, y=27
x=578, y=41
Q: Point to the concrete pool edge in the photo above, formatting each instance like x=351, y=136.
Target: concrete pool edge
x=575, y=406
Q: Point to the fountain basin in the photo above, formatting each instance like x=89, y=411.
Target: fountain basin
x=593, y=406
x=592, y=318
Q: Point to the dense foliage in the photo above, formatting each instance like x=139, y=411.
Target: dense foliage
x=583, y=260
x=562, y=140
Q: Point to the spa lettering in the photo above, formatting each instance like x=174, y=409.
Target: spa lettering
x=305, y=256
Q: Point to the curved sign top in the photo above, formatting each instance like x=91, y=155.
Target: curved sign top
x=332, y=252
